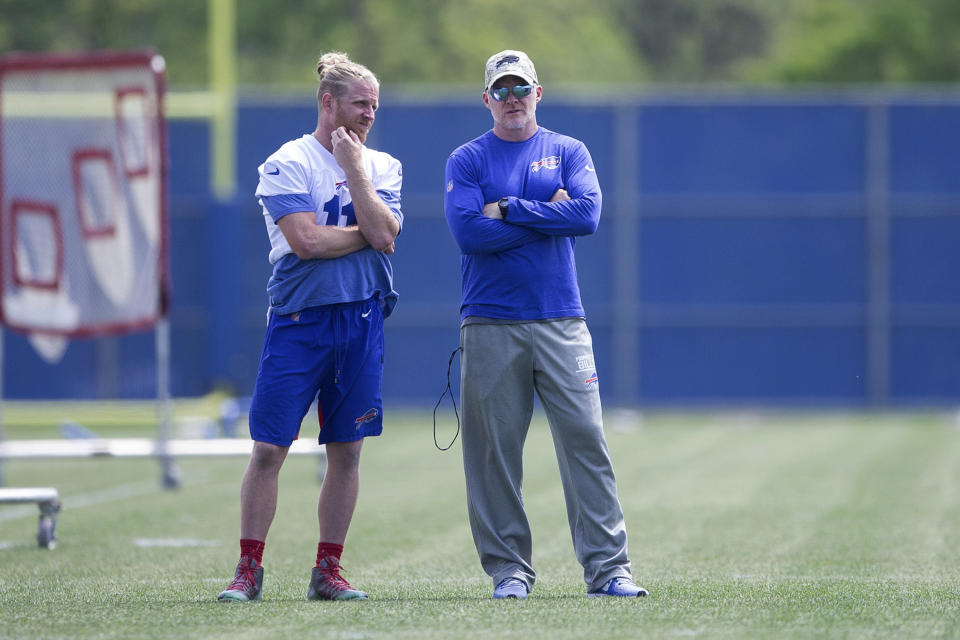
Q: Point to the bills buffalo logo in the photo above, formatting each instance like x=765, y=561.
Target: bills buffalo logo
x=593, y=379
x=507, y=60
x=550, y=162
x=369, y=416
x=585, y=363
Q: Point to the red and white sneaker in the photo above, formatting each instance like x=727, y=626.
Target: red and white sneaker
x=247, y=583
x=327, y=584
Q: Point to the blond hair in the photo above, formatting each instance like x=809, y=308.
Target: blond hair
x=336, y=69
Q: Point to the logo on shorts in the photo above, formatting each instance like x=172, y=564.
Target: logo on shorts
x=369, y=416
x=585, y=362
x=593, y=379
x=550, y=162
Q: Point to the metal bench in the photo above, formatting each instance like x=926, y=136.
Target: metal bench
x=48, y=499
x=165, y=451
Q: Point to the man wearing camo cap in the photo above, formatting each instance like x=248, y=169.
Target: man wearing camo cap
x=515, y=200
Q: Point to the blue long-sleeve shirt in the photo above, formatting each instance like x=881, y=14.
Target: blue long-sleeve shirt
x=521, y=268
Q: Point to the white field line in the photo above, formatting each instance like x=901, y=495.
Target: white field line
x=173, y=543
x=85, y=499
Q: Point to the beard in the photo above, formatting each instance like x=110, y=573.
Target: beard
x=516, y=121
x=354, y=125
x=361, y=132
x=357, y=129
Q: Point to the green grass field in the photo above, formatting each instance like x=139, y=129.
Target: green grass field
x=740, y=525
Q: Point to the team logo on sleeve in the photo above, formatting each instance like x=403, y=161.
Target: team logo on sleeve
x=450, y=186
x=550, y=162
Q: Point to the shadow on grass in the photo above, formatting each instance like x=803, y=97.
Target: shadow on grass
x=373, y=601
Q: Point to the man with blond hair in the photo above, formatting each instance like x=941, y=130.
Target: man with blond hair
x=332, y=210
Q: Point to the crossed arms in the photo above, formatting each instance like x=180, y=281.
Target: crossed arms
x=376, y=226
x=479, y=227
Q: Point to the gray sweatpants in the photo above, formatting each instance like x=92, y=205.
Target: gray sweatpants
x=502, y=365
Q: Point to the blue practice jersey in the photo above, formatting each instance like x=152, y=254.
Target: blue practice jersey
x=523, y=268
x=303, y=176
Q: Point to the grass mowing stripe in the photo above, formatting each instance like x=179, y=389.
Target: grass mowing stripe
x=742, y=527
x=813, y=513
x=726, y=504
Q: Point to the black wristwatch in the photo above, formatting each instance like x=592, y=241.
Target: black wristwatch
x=504, y=204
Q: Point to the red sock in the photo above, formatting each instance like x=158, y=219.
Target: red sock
x=326, y=549
x=250, y=548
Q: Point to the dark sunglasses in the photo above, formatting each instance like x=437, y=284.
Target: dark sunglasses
x=519, y=91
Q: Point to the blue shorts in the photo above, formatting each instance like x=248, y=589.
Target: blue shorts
x=333, y=354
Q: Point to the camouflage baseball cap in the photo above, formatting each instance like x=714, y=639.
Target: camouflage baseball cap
x=509, y=63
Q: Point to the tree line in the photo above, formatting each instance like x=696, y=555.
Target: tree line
x=573, y=42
